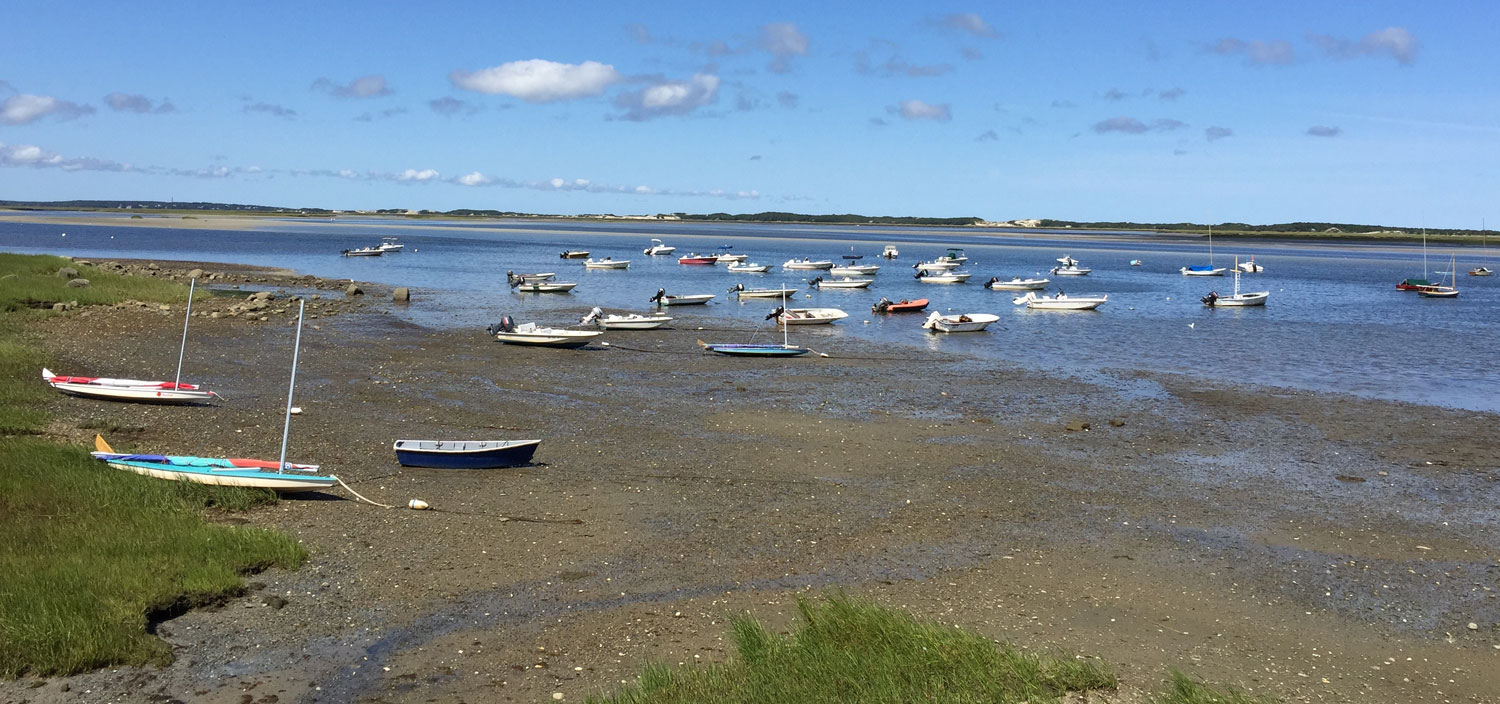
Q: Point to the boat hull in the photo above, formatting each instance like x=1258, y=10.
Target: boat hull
x=694, y=300
x=902, y=306
x=216, y=472
x=1018, y=285
x=465, y=454
x=611, y=264
x=845, y=283
x=545, y=288
x=974, y=322
x=766, y=292
x=1071, y=271
x=750, y=268
x=1202, y=271
x=633, y=323
x=751, y=350
x=807, y=266
x=136, y=394
x=1243, y=300
x=555, y=338
x=811, y=316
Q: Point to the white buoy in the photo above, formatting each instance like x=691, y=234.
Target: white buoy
x=296, y=410
x=417, y=505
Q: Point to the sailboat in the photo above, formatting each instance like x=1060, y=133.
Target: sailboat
x=1242, y=300
x=137, y=390
x=1484, y=251
x=785, y=349
x=257, y=474
x=1422, y=283
x=1210, y=269
x=1441, y=291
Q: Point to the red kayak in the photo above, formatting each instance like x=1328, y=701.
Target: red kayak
x=902, y=306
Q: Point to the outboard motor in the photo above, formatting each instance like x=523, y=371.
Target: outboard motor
x=660, y=294
x=919, y=275
x=506, y=324
x=592, y=316
x=1210, y=299
x=882, y=306
x=779, y=310
x=991, y=282
x=814, y=283
x=736, y=288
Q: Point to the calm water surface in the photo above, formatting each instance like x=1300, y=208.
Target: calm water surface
x=1333, y=323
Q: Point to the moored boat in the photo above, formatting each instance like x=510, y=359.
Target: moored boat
x=628, y=321
x=808, y=316
x=509, y=332
x=742, y=292
x=806, y=264
x=695, y=258
x=885, y=305
x=951, y=277
x=693, y=299
x=731, y=258
x=657, y=248
x=606, y=263
x=574, y=254
x=524, y=286
x=855, y=270
x=391, y=245
x=1016, y=283
x=890, y=252
x=1236, y=299
x=969, y=322
x=750, y=268
x=465, y=454
x=841, y=282
x=1059, y=301
x=935, y=266
x=364, y=252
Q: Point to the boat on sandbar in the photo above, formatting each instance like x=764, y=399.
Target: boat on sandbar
x=627, y=321
x=464, y=454
x=693, y=299
x=509, y=332
x=808, y=316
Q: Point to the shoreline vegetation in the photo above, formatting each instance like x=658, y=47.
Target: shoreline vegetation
x=96, y=559
x=1343, y=232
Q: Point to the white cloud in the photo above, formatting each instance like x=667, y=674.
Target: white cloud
x=918, y=110
x=1395, y=42
x=968, y=22
x=32, y=156
x=24, y=108
x=415, y=175
x=363, y=87
x=539, y=80
x=473, y=178
x=783, y=41
x=1277, y=52
x=669, y=97
x=127, y=102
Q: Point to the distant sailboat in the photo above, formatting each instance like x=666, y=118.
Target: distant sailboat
x=1201, y=270
x=1484, y=252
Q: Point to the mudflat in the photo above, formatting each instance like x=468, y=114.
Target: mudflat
x=1310, y=546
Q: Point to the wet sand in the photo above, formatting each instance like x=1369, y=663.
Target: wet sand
x=1309, y=546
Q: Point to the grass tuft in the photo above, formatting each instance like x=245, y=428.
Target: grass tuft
x=1182, y=689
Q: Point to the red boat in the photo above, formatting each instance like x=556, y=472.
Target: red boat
x=709, y=259
x=902, y=306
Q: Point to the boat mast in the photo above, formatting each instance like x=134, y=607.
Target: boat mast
x=286, y=427
x=1210, y=246
x=784, y=342
x=183, y=350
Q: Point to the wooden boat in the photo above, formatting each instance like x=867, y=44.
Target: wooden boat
x=128, y=389
x=543, y=286
x=742, y=292
x=808, y=316
x=279, y=476
x=1237, y=299
x=936, y=266
x=785, y=349
x=464, y=454
x=971, y=322
x=574, y=254
x=390, y=245
x=806, y=264
x=1441, y=291
x=1059, y=301
x=709, y=259
x=1016, y=283
x=628, y=321
x=885, y=305
x=695, y=299
x=657, y=248
x=855, y=270
x=752, y=268
x=890, y=252
x=951, y=277
x=841, y=282
x=531, y=334
x=606, y=263
x=364, y=252
x=138, y=390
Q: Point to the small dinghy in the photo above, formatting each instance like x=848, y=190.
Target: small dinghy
x=628, y=321
x=935, y=267
x=702, y=259
x=543, y=287
x=465, y=454
x=128, y=389
x=1016, y=284
x=855, y=270
x=693, y=299
x=509, y=332
x=731, y=258
x=537, y=276
x=606, y=263
x=951, y=277
x=742, y=292
x=841, y=282
x=751, y=268
x=785, y=349
x=970, y=322
x=807, y=316
x=1060, y=301
x=364, y=252
x=805, y=264
x=885, y=305
x=574, y=254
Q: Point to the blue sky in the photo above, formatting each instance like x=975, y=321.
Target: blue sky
x=1371, y=112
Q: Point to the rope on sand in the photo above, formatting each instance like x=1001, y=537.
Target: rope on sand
x=357, y=494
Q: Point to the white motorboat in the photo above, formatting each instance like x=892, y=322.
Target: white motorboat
x=657, y=248
x=808, y=316
x=364, y=252
x=742, y=292
x=695, y=299
x=1237, y=299
x=951, y=277
x=512, y=277
x=628, y=321
x=751, y=268
x=969, y=322
x=1070, y=270
x=606, y=263
x=935, y=266
x=806, y=264
x=855, y=270
x=732, y=258
x=1059, y=301
x=842, y=282
x=532, y=334
x=1016, y=283
x=390, y=245
x=574, y=254
x=954, y=254
x=1250, y=267
x=542, y=286
x=890, y=252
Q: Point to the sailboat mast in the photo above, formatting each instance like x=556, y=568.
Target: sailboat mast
x=784, y=339
x=183, y=350
x=1210, y=246
x=286, y=427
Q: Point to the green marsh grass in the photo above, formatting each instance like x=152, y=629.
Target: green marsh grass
x=847, y=650
x=1182, y=689
x=87, y=553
